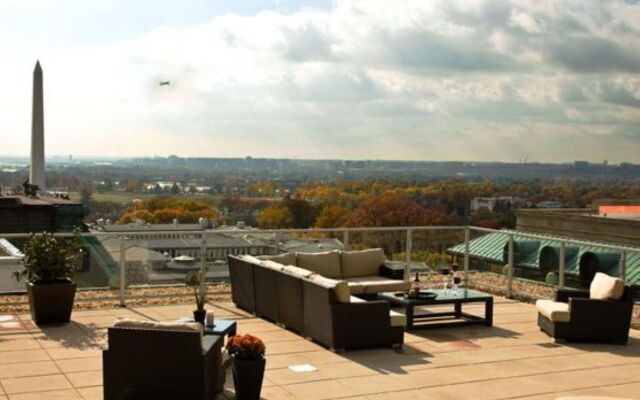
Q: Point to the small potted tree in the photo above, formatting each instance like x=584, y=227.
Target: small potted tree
x=49, y=264
x=193, y=280
x=247, y=352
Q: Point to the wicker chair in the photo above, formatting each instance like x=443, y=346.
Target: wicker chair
x=586, y=319
x=161, y=364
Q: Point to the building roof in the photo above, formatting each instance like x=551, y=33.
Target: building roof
x=491, y=247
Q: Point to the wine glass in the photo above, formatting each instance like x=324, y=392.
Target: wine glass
x=445, y=278
x=457, y=278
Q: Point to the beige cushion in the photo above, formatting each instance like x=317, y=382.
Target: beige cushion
x=355, y=287
x=397, y=319
x=340, y=288
x=284, y=258
x=272, y=265
x=605, y=287
x=167, y=326
x=361, y=263
x=326, y=264
x=555, y=311
x=379, y=284
x=297, y=271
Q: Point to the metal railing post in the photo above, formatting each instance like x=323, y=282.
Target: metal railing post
x=467, y=237
x=510, y=268
x=345, y=240
x=408, y=249
x=203, y=264
x=561, y=265
x=623, y=266
x=277, y=244
x=123, y=272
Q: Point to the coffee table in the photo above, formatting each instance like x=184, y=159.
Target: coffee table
x=425, y=320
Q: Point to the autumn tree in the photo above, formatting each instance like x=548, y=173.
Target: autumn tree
x=302, y=212
x=275, y=217
x=394, y=210
x=159, y=210
x=332, y=216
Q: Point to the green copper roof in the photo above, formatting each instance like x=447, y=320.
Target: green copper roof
x=492, y=248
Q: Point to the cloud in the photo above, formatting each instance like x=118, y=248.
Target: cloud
x=440, y=79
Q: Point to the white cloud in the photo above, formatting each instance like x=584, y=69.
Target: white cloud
x=416, y=79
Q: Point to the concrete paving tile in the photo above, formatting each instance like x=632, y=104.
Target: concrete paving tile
x=48, y=395
x=19, y=344
x=299, y=345
x=375, y=384
x=11, y=357
x=80, y=364
x=67, y=353
x=320, y=390
x=85, y=379
x=404, y=395
x=91, y=393
x=313, y=357
x=28, y=369
x=35, y=384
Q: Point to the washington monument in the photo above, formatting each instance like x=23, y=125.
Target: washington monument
x=36, y=173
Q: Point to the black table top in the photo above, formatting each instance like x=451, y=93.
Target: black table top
x=449, y=296
x=220, y=327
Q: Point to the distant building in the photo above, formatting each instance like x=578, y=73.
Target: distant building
x=494, y=204
x=549, y=204
x=21, y=214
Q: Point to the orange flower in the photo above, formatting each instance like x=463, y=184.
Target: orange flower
x=246, y=347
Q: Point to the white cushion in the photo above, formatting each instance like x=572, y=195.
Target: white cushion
x=362, y=262
x=284, y=258
x=605, y=287
x=326, y=263
x=166, y=326
x=355, y=299
x=555, y=311
x=378, y=284
x=340, y=288
x=397, y=319
x=272, y=265
x=297, y=271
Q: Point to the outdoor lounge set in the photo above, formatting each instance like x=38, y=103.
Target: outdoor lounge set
x=312, y=294
x=601, y=314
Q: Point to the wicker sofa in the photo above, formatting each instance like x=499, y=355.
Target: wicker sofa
x=600, y=314
x=314, y=305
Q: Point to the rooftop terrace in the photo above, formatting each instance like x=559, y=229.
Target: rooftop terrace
x=512, y=359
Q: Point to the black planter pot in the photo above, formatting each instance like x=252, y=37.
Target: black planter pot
x=247, y=378
x=51, y=303
x=199, y=315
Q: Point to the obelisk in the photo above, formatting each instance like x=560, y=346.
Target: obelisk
x=36, y=173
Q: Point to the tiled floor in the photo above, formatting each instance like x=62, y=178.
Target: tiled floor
x=511, y=360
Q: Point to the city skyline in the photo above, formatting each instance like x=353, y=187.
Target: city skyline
x=469, y=81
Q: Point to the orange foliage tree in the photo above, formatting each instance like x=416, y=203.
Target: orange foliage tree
x=394, y=210
x=163, y=210
x=275, y=217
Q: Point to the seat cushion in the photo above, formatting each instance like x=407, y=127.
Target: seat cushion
x=326, y=264
x=379, y=284
x=605, y=287
x=555, y=311
x=165, y=326
x=284, y=258
x=397, y=319
x=297, y=271
x=341, y=289
x=355, y=287
x=362, y=262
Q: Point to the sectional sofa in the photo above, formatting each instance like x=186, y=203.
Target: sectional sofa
x=328, y=297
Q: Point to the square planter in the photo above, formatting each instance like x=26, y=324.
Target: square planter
x=51, y=303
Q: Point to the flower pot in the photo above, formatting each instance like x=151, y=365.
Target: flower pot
x=199, y=315
x=247, y=378
x=52, y=302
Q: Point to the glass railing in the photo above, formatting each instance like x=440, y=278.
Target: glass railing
x=123, y=267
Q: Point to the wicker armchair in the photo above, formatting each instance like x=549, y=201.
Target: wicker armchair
x=161, y=364
x=578, y=318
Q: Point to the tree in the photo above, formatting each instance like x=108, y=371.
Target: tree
x=158, y=210
x=86, y=194
x=301, y=210
x=332, y=217
x=275, y=217
x=394, y=210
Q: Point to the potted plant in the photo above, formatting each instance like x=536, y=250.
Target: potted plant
x=247, y=352
x=49, y=264
x=193, y=280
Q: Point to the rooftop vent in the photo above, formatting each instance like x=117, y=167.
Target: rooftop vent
x=175, y=222
x=240, y=225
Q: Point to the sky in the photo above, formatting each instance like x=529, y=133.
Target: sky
x=485, y=80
